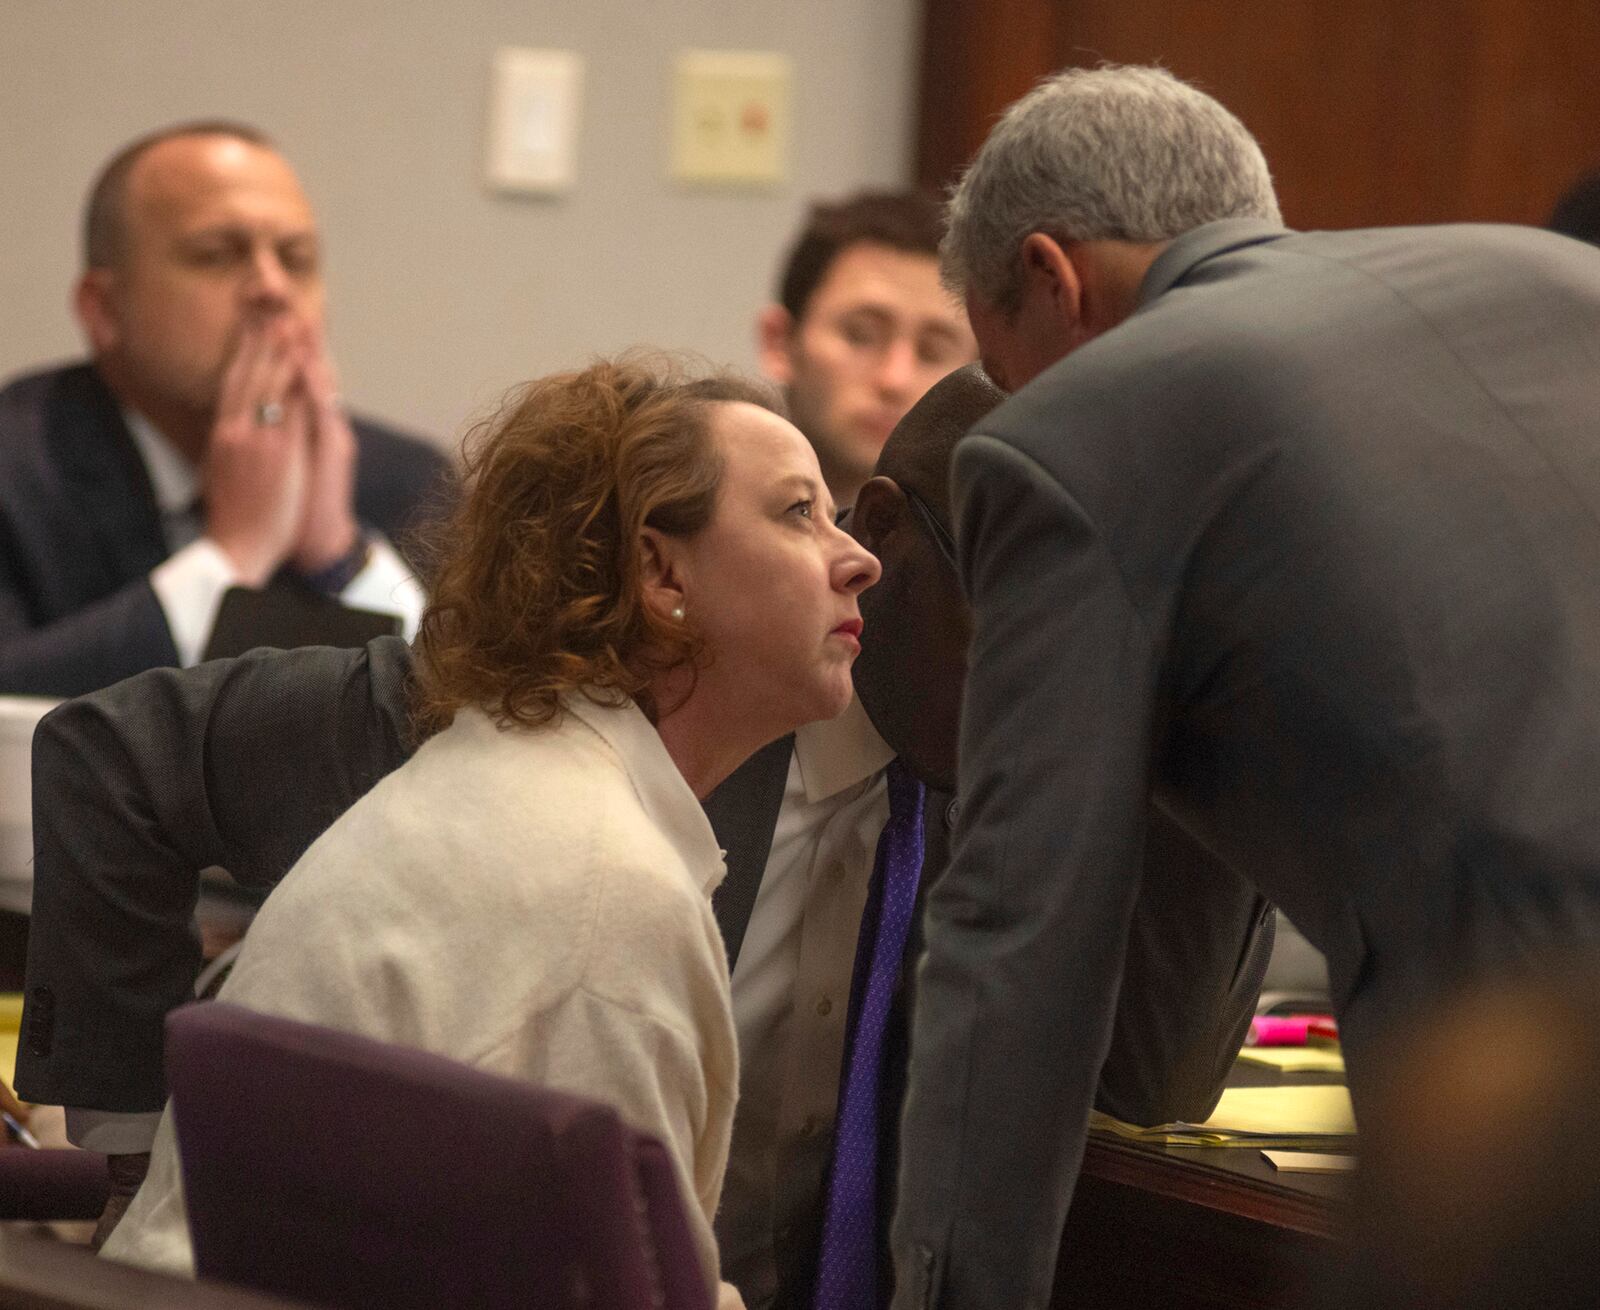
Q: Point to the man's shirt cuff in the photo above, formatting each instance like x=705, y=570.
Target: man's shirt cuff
x=111, y=1133
x=388, y=586
x=189, y=586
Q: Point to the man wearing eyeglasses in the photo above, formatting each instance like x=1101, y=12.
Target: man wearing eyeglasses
x=801, y=823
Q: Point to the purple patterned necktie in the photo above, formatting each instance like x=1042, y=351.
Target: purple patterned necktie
x=847, y=1275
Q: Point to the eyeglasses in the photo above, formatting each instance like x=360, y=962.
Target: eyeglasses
x=934, y=528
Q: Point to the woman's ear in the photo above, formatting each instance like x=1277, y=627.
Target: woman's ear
x=660, y=569
x=879, y=510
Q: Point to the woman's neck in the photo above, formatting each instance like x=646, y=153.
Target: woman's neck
x=703, y=741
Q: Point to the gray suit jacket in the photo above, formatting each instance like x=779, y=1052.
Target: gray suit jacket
x=1308, y=550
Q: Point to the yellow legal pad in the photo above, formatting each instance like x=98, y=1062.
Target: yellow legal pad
x=1254, y=1116
x=1295, y=1059
x=10, y=1027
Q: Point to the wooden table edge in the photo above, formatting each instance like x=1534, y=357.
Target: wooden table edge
x=1110, y=1159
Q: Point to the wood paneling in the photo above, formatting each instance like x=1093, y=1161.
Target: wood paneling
x=1370, y=111
x=976, y=59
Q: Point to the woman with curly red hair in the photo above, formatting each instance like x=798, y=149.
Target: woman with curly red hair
x=642, y=585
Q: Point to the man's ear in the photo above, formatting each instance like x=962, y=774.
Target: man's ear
x=879, y=511
x=1048, y=272
x=775, y=327
x=659, y=570
x=93, y=302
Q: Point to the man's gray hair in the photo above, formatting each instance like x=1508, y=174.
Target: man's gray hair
x=1113, y=153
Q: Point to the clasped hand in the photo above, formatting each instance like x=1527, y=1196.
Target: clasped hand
x=279, y=469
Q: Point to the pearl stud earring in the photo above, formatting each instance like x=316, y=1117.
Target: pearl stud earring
x=677, y=613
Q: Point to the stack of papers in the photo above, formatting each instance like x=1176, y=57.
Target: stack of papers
x=1257, y=1117
x=1309, y=1162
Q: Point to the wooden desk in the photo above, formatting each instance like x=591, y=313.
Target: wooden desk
x=1186, y=1227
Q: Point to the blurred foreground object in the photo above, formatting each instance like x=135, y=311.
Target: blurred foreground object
x=1480, y=1179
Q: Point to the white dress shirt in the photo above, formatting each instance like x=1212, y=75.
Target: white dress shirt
x=189, y=584
x=791, y=987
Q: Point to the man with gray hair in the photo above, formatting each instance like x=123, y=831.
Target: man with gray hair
x=1294, y=535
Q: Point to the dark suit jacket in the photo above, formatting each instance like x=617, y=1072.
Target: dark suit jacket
x=80, y=532
x=1309, y=550
x=243, y=763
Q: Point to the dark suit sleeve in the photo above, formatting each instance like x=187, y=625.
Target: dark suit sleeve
x=78, y=536
x=1198, y=946
x=1026, y=929
x=403, y=484
x=113, y=638
x=138, y=788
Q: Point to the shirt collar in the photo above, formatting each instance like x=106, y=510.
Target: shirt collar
x=837, y=753
x=173, y=479
x=667, y=799
x=1196, y=246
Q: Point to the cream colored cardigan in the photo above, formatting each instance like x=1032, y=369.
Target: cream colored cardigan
x=534, y=902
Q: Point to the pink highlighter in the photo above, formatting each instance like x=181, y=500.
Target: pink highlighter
x=1281, y=1029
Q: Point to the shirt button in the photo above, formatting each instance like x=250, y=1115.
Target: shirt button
x=951, y=811
x=824, y=1007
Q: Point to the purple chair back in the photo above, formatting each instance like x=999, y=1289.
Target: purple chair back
x=52, y=1184
x=349, y=1172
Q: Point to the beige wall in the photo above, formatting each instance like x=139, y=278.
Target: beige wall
x=441, y=293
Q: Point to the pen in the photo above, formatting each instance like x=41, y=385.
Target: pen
x=19, y=1130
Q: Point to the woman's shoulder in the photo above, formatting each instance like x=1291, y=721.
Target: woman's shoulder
x=653, y=900
x=483, y=827
x=478, y=812
x=547, y=765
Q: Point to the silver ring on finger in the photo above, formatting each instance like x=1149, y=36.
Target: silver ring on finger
x=269, y=413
